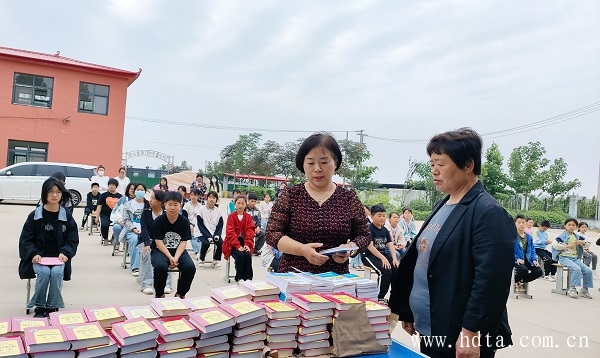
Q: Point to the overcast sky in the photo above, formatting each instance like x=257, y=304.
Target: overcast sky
x=396, y=69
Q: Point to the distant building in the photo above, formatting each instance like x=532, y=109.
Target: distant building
x=53, y=108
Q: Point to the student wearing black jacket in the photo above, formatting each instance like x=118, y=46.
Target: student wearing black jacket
x=210, y=223
x=49, y=232
x=91, y=202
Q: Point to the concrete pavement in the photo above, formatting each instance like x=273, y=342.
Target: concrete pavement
x=548, y=319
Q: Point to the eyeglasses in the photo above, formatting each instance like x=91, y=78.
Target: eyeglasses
x=52, y=192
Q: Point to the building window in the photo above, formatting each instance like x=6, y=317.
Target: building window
x=93, y=98
x=151, y=174
x=32, y=90
x=21, y=151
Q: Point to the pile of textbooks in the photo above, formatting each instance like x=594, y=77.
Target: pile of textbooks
x=316, y=313
x=282, y=326
x=287, y=283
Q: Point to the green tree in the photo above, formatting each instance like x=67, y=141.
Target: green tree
x=237, y=156
x=420, y=178
x=262, y=160
x=492, y=176
x=354, y=155
x=285, y=161
x=554, y=183
x=526, y=170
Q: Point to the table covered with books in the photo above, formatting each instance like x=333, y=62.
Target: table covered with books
x=287, y=314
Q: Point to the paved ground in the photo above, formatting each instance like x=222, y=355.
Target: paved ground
x=549, y=319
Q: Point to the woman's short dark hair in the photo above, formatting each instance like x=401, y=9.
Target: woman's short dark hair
x=142, y=184
x=128, y=187
x=406, y=208
x=213, y=194
x=324, y=140
x=183, y=188
x=48, y=184
x=462, y=146
x=159, y=195
x=195, y=191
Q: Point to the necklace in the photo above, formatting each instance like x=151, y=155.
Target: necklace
x=322, y=198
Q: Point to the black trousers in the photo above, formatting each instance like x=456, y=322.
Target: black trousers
x=259, y=241
x=546, y=257
x=433, y=353
x=104, y=226
x=527, y=272
x=86, y=213
x=205, y=245
x=160, y=263
x=385, y=275
x=243, y=264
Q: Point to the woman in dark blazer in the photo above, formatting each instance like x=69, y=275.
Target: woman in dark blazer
x=455, y=278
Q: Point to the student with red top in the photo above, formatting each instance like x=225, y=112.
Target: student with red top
x=239, y=240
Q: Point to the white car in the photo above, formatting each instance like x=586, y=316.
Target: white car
x=23, y=181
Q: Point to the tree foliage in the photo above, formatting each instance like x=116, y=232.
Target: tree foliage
x=358, y=175
x=492, y=175
x=554, y=183
x=420, y=177
x=526, y=169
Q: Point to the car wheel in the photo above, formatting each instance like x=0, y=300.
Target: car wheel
x=75, y=197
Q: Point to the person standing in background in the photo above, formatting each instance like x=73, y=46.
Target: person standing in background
x=123, y=181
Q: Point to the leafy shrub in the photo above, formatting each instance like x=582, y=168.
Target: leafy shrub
x=259, y=191
x=371, y=198
x=420, y=205
x=420, y=215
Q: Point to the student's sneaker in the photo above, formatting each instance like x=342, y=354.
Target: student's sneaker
x=135, y=272
x=197, y=256
x=572, y=293
x=81, y=228
x=216, y=265
x=549, y=278
x=200, y=264
x=585, y=293
x=358, y=268
x=39, y=312
x=168, y=289
x=148, y=290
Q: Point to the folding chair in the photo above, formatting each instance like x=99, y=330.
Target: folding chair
x=228, y=276
x=28, y=286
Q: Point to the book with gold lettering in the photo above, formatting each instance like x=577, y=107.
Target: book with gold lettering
x=224, y=354
x=283, y=322
x=315, y=352
x=313, y=337
x=244, y=310
x=312, y=301
x=148, y=353
x=169, y=346
x=54, y=354
x=99, y=351
x=278, y=309
x=18, y=324
x=133, y=331
x=85, y=335
x=105, y=315
x=133, y=348
x=229, y=293
x=12, y=347
x=222, y=347
x=375, y=309
x=6, y=327
x=259, y=288
x=211, y=341
x=67, y=317
x=45, y=339
x=200, y=303
x=343, y=301
x=175, y=328
x=289, y=345
x=147, y=312
x=170, y=307
x=178, y=353
x=242, y=352
x=211, y=320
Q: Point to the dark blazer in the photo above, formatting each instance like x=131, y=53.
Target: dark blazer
x=31, y=242
x=469, y=273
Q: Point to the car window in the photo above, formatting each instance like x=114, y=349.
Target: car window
x=77, y=172
x=46, y=170
x=22, y=170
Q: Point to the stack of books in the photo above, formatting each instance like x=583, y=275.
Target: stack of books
x=147, y=312
x=200, y=303
x=341, y=284
x=105, y=315
x=288, y=283
x=365, y=288
x=260, y=290
x=249, y=334
x=84, y=337
x=180, y=335
x=377, y=314
x=215, y=326
x=19, y=324
x=11, y=346
x=62, y=318
x=105, y=351
x=229, y=293
x=317, y=285
x=282, y=326
x=169, y=307
x=316, y=314
x=5, y=327
x=47, y=341
x=135, y=337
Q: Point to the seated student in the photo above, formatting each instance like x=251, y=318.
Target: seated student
x=132, y=225
x=239, y=240
x=154, y=210
x=200, y=185
x=590, y=259
x=183, y=191
x=49, y=231
x=529, y=222
x=393, y=226
x=568, y=249
x=527, y=267
x=210, y=224
x=259, y=235
x=231, y=206
x=67, y=201
x=375, y=255
x=163, y=185
x=408, y=225
x=91, y=203
x=191, y=210
x=116, y=215
x=540, y=240
x=108, y=201
x=170, y=233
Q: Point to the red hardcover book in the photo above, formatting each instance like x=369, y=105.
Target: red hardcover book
x=315, y=352
x=179, y=353
x=259, y=288
x=133, y=331
x=5, y=327
x=45, y=339
x=211, y=320
x=250, y=346
x=214, y=355
x=214, y=348
x=18, y=324
x=221, y=332
x=252, y=322
x=375, y=309
x=211, y=341
x=255, y=353
x=85, y=335
x=12, y=347
x=304, y=314
x=148, y=353
x=261, y=327
x=175, y=328
x=132, y=312
x=67, y=317
x=229, y=293
x=99, y=351
x=169, y=346
x=312, y=301
x=342, y=301
x=316, y=321
x=284, y=322
x=200, y=303
x=278, y=309
x=313, y=345
x=256, y=337
x=133, y=348
x=105, y=315
x=313, y=337
x=281, y=330
x=54, y=354
x=243, y=310
x=170, y=307
x=283, y=345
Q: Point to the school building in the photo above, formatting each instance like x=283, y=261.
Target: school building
x=57, y=109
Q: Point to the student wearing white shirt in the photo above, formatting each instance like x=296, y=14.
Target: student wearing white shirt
x=265, y=211
x=101, y=179
x=123, y=181
x=210, y=224
x=192, y=209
